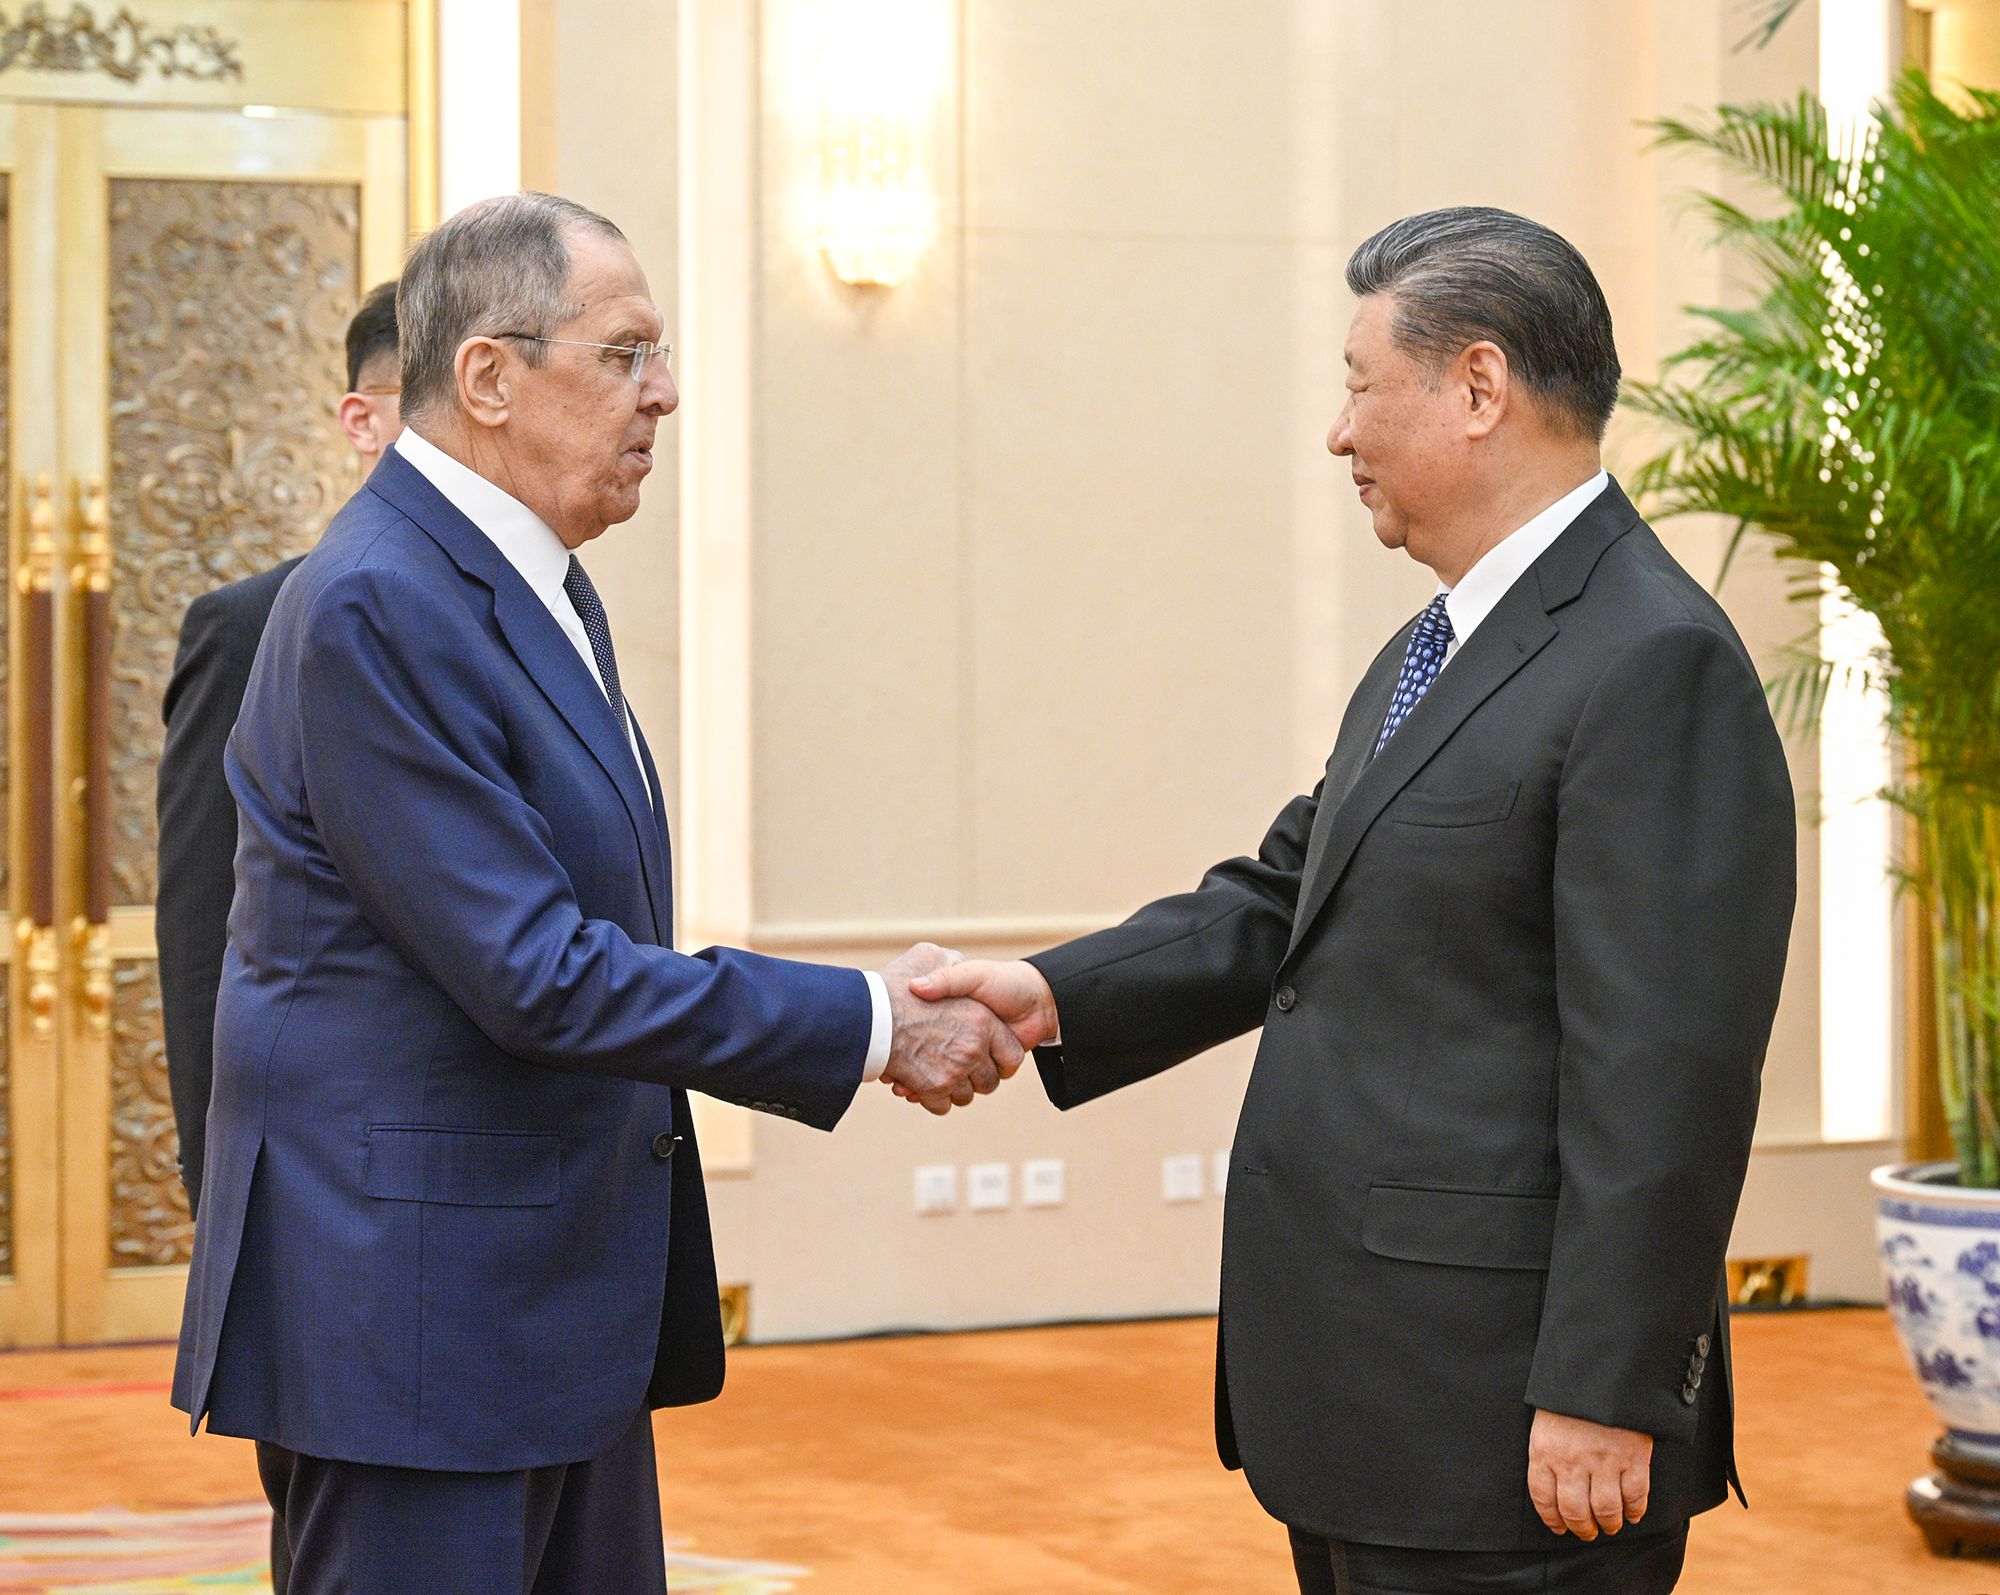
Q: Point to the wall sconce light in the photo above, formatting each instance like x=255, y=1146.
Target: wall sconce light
x=881, y=72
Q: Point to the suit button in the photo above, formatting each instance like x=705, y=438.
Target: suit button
x=1696, y=1363
x=1688, y=1392
x=1287, y=999
x=1701, y=1345
x=664, y=1144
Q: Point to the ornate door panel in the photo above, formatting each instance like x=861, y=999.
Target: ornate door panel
x=229, y=302
x=178, y=287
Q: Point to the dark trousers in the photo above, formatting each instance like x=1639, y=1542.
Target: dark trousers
x=281, y=1557
x=583, y=1528
x=1620, y=1564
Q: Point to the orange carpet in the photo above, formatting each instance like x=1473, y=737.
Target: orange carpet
x=1058, y=1462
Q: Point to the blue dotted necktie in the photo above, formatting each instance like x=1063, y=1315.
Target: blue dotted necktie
x=590, y=610
x=1422, y=661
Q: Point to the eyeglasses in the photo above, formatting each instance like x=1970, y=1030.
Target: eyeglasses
x=378, y=393
x=641, y=353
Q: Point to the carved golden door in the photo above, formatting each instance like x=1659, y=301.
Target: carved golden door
x=194, y=196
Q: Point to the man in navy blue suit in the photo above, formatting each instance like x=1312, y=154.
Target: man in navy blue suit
x=453, y=1244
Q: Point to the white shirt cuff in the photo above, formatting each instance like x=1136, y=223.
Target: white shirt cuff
x=880, y=1032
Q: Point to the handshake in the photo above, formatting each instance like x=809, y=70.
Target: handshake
x=960, y=1028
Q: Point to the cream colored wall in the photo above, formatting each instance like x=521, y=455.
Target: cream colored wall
x=1965, y=41
x=598, y=89
x=1020, y=593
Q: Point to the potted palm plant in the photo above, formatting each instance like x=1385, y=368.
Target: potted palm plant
x=1851, y=417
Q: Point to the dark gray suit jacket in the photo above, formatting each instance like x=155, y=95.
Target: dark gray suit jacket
x=1516, y=977
x=197, y=815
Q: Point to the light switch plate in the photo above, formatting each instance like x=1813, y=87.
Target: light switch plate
x=1180, y=1177
x=989, y=1187
x=937, y=1189
x=1042, y=1182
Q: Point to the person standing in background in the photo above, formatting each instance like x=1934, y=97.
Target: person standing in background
x=197, y=816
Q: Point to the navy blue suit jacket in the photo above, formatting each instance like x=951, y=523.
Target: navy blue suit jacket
x=444, y=1223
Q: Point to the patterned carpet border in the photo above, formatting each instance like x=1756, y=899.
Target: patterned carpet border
x=220, y=1550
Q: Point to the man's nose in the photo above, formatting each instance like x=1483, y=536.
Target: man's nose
x=659, y=395
x=1337, y=441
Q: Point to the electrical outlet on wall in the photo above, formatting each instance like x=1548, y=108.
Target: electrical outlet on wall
x=937, y=1188
x=989, y=1188
x=1221, y=1171
x=1180, y=1177
x=1042, y=1182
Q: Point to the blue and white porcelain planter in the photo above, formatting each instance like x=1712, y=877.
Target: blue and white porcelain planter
x=1940, y=1251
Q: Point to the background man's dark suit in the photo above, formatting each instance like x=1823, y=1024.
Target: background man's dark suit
x=197, y=815
x=1516, y=976
x=218, y=645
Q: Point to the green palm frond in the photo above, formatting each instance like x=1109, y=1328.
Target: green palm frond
x=1767, y=17
x=1848, y=416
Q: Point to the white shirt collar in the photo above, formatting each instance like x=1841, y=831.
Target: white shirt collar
x=1480, y=589
x=528, y=542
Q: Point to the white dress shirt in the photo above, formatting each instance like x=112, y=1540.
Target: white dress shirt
x=531, y=546
x=1480, y=589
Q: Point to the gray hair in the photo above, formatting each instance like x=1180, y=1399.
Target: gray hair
x=500, y=265
x=1473, y=274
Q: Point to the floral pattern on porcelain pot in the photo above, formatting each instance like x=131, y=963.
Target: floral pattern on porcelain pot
x=1940, y=1251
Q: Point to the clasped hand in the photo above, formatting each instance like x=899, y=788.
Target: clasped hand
x=961, y=1027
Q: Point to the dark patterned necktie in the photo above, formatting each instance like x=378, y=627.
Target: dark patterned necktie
x=1422, y=661
x=590, y=610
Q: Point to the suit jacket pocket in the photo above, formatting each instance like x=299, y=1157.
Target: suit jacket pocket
x=461, y=1168
x=1462, y=1229
x=1455, y=808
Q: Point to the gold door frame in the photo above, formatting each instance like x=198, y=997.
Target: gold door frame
x=337, y=91
x=30, y=1299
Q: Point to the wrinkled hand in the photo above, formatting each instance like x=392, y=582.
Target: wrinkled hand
x=942, y=1053
x=923, y=959
x=1015, y=993
x=1585, y=1476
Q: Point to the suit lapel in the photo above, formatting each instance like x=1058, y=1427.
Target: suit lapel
x=1358, y=730
x=1518, y=628
x=663, y=905
x=540, y=645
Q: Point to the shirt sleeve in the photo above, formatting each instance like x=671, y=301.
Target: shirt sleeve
x=879, y=1030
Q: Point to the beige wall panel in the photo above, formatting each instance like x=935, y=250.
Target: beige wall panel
x=1129, y=117
x=598, y=127
x=1533, y=109
x=1965, y=42
x=1814, y=1201
x=857, y=574
x=1130, y=438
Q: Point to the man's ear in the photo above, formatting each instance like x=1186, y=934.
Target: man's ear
x=483, y=381
x=357, y=420
x=1485, y=382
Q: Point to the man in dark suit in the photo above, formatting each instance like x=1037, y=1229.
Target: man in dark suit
x=1516, y=959
x=219, y=638
x=454, y=1243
